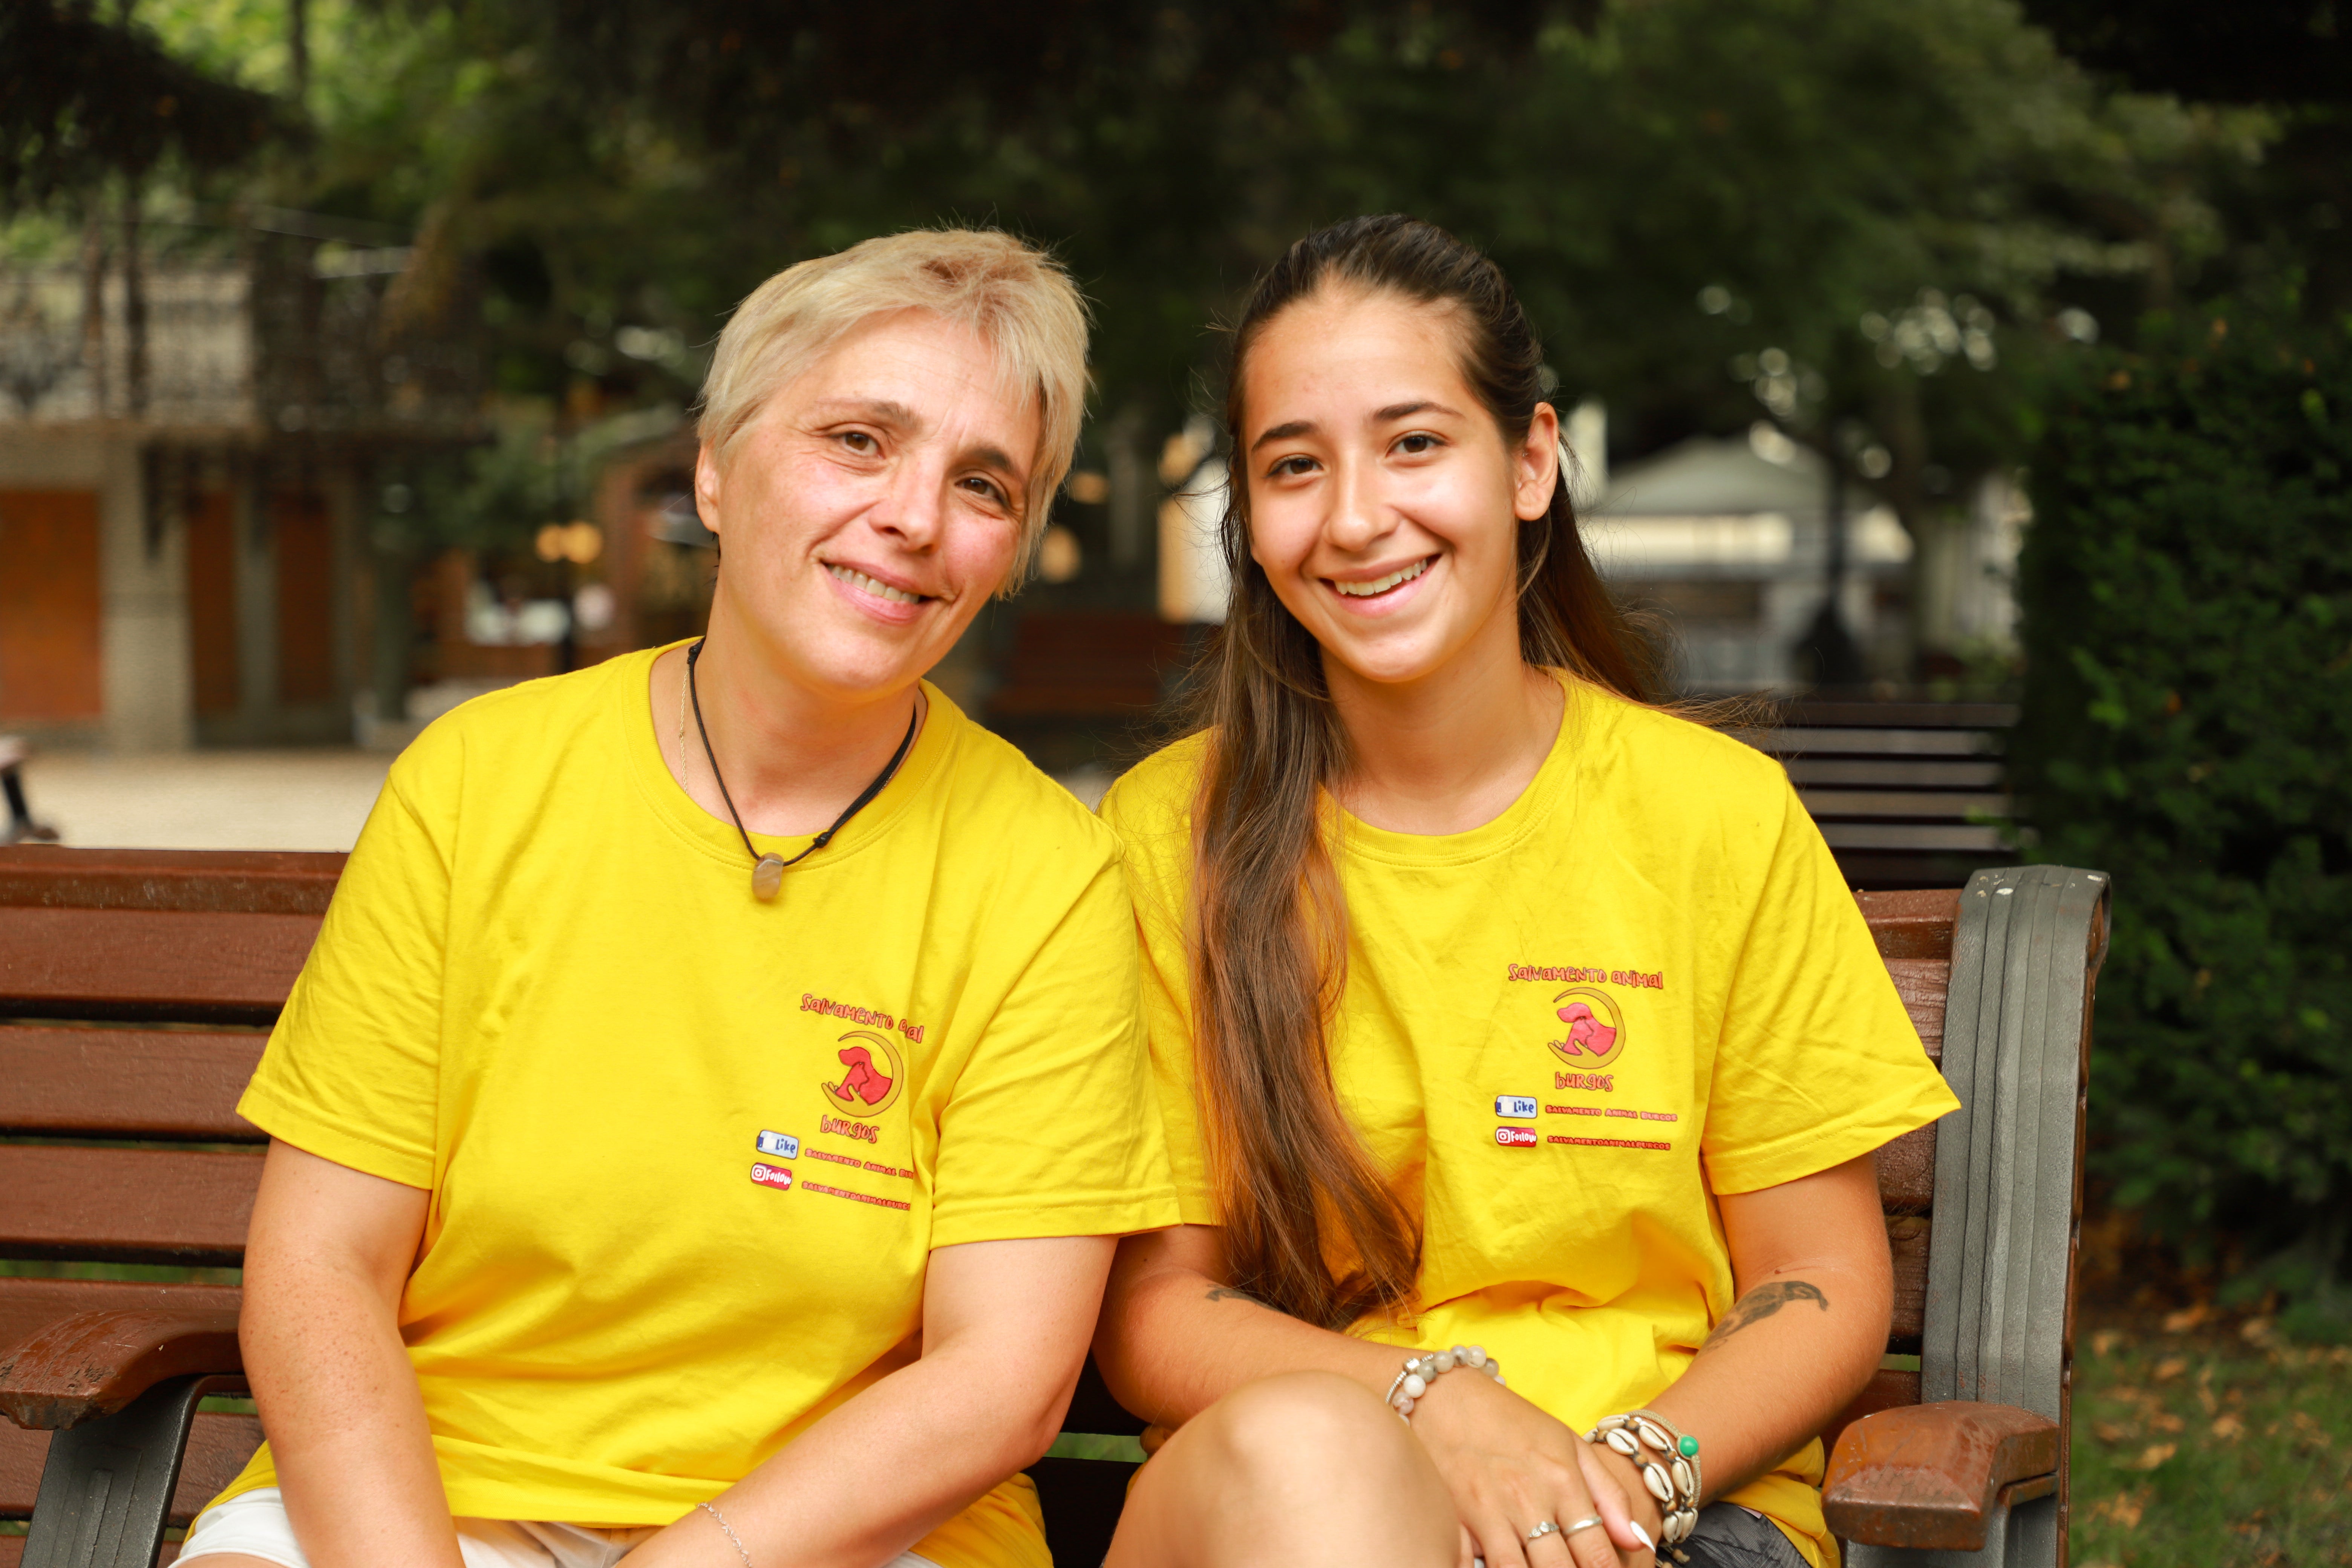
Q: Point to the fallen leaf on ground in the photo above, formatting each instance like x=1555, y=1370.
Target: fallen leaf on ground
x=2104, y=1340
x=2255, y=1330
x=2185, y=1319
x=2229, y=1428
x=2154, y=1455
x=2113, y=1432
x=2170, y=1367
x=2166, y=1420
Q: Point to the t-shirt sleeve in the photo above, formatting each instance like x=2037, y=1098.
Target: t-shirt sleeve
x=1159, y=863
x=1818, y=1063
x=352, y=1071
x=1052, y=1130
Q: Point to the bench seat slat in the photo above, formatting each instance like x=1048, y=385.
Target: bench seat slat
x=145, y=963
x=218, y=1447
x=159, y=1205
x=126, y=1083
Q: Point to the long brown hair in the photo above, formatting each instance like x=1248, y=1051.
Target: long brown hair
x=1309, y=1225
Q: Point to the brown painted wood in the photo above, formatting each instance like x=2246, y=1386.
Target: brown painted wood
x=1929, y=1476
x=1887, y=1389
x=218, y=1447
x=187, y=880
x=1912, y=924
x=159, y=1206
x=132, y=964
x=94, y=1363
x=126, y=1083
x=1906, y=1173
x=1906, y=1238
x=29, y=1306
x=1925, y=985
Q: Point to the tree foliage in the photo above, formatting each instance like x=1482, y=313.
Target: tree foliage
x=2186, y=590
x=81, y=100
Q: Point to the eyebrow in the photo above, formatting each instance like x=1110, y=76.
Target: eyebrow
x=1390, y=414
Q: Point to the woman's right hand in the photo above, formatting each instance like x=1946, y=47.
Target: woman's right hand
x=1511, y=1467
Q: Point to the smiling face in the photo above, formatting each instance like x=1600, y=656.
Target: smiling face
x=1384, y=503
x=872, y=507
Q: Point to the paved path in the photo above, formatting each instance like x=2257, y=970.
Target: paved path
x=312, y=799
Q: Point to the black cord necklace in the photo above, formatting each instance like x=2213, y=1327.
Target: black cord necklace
x=768, y=870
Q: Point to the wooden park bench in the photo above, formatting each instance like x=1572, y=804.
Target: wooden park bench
x=135, y=988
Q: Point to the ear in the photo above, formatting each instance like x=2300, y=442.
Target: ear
x=708, y=477
x=1536, y=465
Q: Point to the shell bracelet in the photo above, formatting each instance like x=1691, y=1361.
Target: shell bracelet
x=1668, y=1461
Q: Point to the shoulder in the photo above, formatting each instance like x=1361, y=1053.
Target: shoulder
x=1657, y=754
x=1151, y=803
x=1002, y=794
x=514, y=733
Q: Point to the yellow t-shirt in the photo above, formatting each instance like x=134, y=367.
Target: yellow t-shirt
x=688, y=1153
x=1563, y=1032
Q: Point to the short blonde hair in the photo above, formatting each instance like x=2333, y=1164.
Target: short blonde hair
x=1015, y=296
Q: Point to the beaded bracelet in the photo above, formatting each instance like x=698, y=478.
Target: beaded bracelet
x=1421, y=1370
x=1668, y=1461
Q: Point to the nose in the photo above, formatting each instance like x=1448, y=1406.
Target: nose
x=1357, y=517
x=912, y=509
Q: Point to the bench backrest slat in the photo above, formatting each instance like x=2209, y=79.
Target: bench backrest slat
x=124, y=965
x=126, y=1083
x=132, y=1205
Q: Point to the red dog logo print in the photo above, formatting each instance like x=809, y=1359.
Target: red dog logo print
x=1595, y=1036
x=876, y=1073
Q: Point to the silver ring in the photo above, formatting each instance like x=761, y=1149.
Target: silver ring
x=1582, y=1524
x=1540, y=1531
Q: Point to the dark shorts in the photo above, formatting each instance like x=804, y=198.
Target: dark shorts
x=1729, y=1536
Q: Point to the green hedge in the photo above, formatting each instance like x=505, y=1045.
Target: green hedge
x=2187, y=597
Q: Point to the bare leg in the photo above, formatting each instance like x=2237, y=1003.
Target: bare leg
x=1306, y=1470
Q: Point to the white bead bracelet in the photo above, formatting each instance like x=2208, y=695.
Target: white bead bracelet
x=1427, y=1367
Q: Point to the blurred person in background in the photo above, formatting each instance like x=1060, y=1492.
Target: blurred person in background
x=1505, y=1020
x=703, y=1126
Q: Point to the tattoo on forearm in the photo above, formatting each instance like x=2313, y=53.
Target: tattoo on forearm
x=1761, y=1303
x=1226, y=1293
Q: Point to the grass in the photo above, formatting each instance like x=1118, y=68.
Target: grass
x=2195, y=1444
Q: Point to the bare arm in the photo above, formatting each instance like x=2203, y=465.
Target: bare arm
x=1175, y=1337
x=1004, y=1334
x=328, y=1253
x=1816, y=1290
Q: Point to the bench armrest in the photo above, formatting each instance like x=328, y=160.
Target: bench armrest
x=93, y=1363
x=1932, y=1476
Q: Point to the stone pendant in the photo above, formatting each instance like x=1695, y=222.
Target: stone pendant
x=768, y=877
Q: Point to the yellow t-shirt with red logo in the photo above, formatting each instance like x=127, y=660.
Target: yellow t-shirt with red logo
x=1564, y=1032
x=688, y=1153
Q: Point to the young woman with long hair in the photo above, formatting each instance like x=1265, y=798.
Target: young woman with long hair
x=1499, y=1013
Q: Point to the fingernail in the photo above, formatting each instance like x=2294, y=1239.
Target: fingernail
x=1648, y=1545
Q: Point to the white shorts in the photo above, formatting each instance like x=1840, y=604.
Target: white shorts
x=254, y=1524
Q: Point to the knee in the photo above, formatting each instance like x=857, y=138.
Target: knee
x=1307, y=1429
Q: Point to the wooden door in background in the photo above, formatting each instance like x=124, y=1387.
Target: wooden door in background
x=306, y=597
x=50, y=635
x=212, y=602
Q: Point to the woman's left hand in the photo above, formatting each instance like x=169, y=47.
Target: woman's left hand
x=1511, y=1467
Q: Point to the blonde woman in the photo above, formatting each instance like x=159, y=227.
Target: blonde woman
x=703, y=1126
x=1491, y=1007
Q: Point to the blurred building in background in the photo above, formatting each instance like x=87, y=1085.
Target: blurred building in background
x=187, y=448
x=1728, y=541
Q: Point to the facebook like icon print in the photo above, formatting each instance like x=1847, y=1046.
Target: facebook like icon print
x=781, y=1145
x=1516, y=1107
